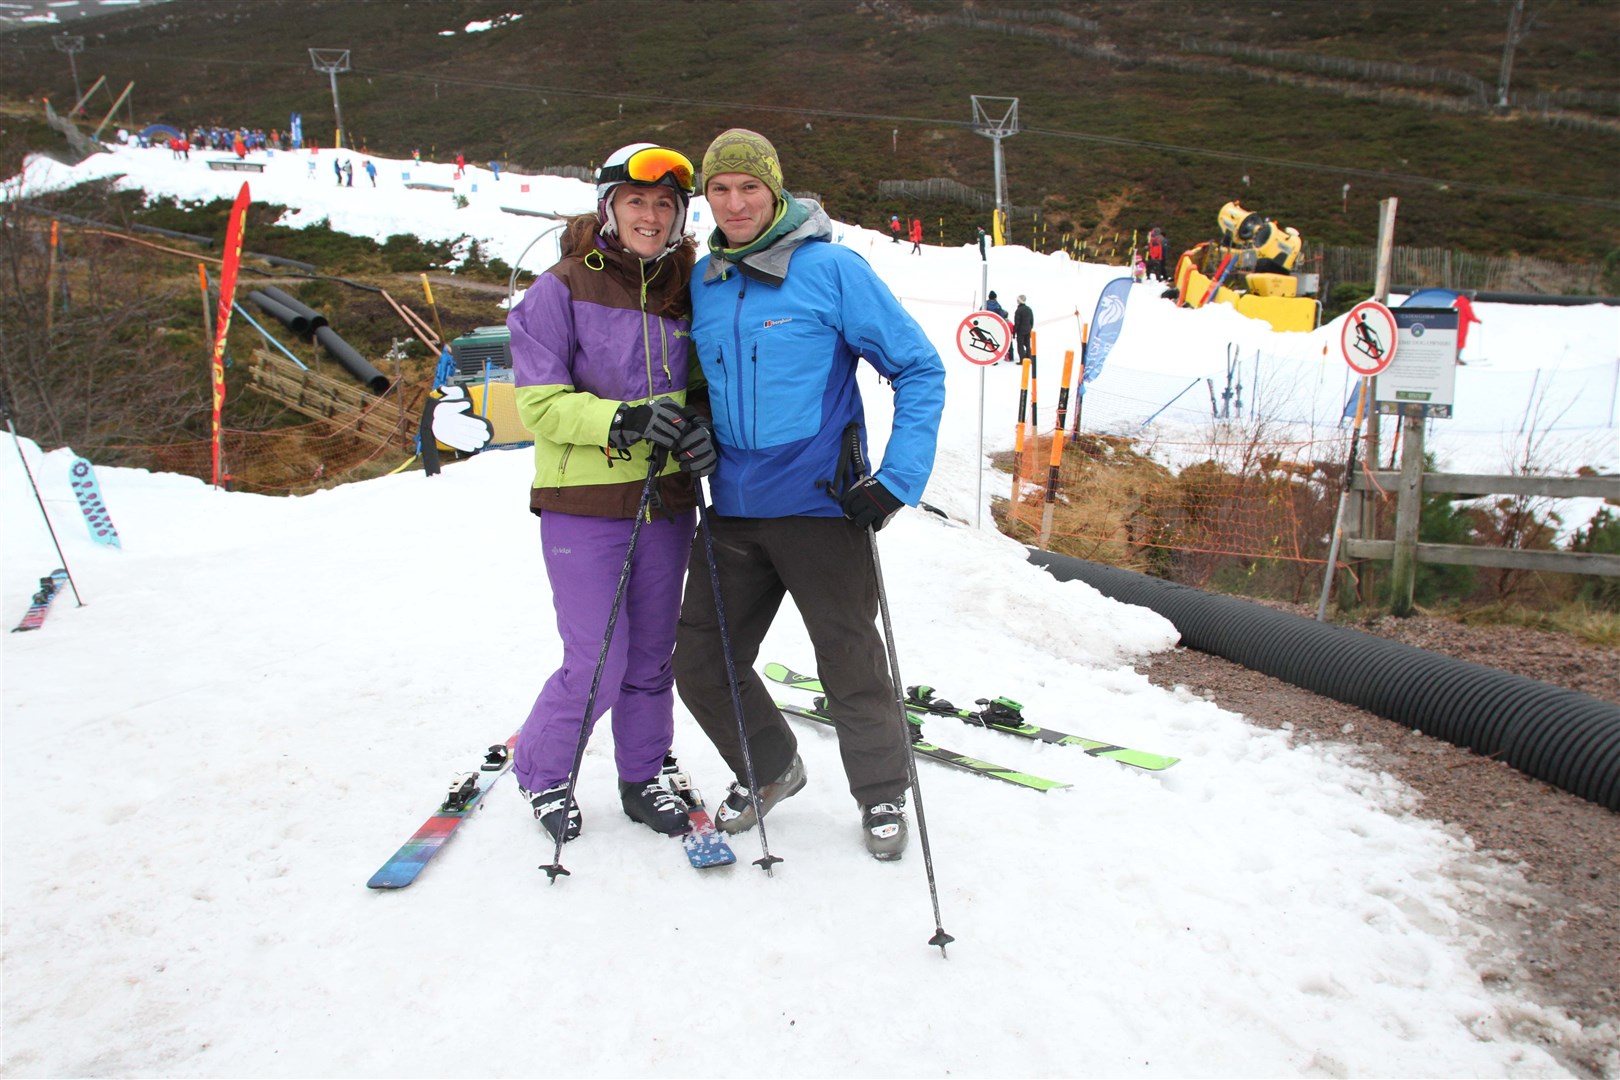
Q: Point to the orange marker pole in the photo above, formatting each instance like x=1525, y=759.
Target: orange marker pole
x=1063, y=390
x=1018, y=443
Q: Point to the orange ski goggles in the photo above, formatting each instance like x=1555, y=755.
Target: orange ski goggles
x=652, y=165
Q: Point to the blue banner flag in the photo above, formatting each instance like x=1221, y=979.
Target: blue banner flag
x=1106, y=324
x=296, y=125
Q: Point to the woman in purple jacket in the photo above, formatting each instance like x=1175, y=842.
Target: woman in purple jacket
x=600, y=361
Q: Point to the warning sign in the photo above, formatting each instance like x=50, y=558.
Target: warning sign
x=1368, y=338
x=983, y=337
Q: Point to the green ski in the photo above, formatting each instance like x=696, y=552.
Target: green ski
x=1000, y=714
x=939, y=753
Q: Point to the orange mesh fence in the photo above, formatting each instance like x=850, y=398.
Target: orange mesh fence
x=1227, y=507
x=353, y=444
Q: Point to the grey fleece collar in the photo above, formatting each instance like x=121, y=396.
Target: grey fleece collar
x=770, y=265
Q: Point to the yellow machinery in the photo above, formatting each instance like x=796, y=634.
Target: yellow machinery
x=1250, y=267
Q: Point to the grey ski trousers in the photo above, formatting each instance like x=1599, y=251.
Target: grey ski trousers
x=825, y=565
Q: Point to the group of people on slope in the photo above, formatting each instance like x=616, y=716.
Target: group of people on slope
x=642, y=369
x=1023, y=324
x=913, y=232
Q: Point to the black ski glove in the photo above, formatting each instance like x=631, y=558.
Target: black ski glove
x=695, y=451
x=658, y=422
x=869, y=504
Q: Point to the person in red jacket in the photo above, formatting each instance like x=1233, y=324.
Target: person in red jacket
x=461, y=165
x=895, y=227
x=916, y=236
x=1155, y=255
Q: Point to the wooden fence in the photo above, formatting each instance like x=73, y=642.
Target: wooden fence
x=951, y=190
x=1561, y=562
x=1448, y=269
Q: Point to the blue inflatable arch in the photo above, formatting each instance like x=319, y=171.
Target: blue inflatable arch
x=160, y=129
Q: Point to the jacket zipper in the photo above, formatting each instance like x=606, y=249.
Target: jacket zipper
x=736, y=332
x=753, y=394
x=562, y=466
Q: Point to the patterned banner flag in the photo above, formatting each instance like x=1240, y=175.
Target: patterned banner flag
x=227, y=299
x=1105, y=327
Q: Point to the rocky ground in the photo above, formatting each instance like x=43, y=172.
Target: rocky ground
x=1560, y=941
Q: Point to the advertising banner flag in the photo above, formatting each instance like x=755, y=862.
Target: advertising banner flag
x=1106, y=324
x=227, y=300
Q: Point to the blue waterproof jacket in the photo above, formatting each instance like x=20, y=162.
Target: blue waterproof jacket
x=778, y=336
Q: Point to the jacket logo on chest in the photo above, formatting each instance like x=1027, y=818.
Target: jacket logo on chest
x=775, y=322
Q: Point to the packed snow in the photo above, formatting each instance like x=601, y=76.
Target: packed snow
x=261, y=698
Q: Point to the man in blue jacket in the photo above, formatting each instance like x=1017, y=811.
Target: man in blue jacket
x=780, y=318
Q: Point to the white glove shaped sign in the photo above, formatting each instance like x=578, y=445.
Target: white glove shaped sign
x=455, y=425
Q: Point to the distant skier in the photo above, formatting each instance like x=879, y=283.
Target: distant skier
x=916, y=236
x=371, y=171
x=1155, y=254
x=1023, y=327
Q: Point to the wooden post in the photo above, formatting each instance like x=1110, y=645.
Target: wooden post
x=438, y=326
x=1408, y=506
x=50, y=283
x=208, y=312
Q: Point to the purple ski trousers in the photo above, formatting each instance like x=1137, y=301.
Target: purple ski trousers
x=584, y=556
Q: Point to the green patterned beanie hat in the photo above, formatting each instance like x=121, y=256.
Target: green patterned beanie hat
x=742, y=151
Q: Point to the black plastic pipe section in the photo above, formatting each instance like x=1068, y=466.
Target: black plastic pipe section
x=312, y=318
x=1570, y=740
x=281, y=312
x=352, y=362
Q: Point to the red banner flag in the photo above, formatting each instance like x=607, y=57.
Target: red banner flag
x=227, y=299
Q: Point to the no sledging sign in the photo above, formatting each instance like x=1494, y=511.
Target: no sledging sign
x=983, y=337
x=1368, y=338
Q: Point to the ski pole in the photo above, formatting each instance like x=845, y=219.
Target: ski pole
x=5, y=411
x=766, y=859
x=940, y=938
x=654, y=466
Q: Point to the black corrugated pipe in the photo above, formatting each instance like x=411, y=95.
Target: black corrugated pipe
x=1569, y=739
x=292, y=303
x=286, y=315
x=281, y=260
x=352, y=362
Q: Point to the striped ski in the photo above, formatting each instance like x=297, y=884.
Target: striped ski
x=34, y=617
x=466, y=795
x=948, y=757
x=1009, y=721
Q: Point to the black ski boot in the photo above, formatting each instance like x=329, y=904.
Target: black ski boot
x=548, y=807
x=883, y=826
x=655, y=806
x=736, y=813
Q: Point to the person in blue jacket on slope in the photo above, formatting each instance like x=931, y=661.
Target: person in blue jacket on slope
x=780, y=318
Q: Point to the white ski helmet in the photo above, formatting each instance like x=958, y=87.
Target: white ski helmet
x=647, y=165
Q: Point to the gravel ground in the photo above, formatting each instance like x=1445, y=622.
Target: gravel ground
x=1559, y=941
